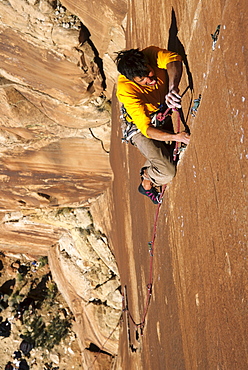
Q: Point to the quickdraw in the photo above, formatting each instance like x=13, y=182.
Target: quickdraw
x=215, y=36
x=195, y=107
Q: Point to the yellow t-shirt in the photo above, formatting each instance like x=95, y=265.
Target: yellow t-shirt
x=141, y=101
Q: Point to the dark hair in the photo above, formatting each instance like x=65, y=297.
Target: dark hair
x=132, y=63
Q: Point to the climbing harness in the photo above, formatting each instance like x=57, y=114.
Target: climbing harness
x=129, y=129
x=180, y=118
x=158, y=118
x=195, y=107
x=215, y=36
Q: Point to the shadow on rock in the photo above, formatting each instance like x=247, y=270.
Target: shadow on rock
x=39, y=293
x=7, y=287
x=84, y=36
x=174, y=44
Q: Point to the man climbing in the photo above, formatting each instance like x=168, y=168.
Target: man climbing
x=147, y=80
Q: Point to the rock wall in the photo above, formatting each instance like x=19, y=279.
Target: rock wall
x=54, y=95
x=56, y=79
x=199, y=279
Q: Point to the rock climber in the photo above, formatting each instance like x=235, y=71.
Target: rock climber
x=149, y=79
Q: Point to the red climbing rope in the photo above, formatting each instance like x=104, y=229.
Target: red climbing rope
x=152, y=243
x=151, y=251
x=150, y=284
x=175, y=153
x=161, y=116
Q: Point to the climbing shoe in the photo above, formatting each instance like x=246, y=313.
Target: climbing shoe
x=151, y=193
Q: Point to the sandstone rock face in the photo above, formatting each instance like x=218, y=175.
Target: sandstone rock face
x=56, y=79
x=87, y=276
x=52, y=99
x=82, y=265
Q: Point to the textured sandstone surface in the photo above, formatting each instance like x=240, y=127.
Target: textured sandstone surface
x=55, y=139
x=52, y=102
x=197, y=318
x=56, y=82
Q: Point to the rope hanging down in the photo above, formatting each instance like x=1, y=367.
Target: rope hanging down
x=150, y=284
x=151, y=244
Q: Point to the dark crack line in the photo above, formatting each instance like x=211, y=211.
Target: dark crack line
x=107, y=151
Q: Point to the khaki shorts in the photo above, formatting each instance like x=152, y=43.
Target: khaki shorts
x=160, y=168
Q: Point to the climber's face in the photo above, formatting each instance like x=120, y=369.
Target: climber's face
x=148, y=80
